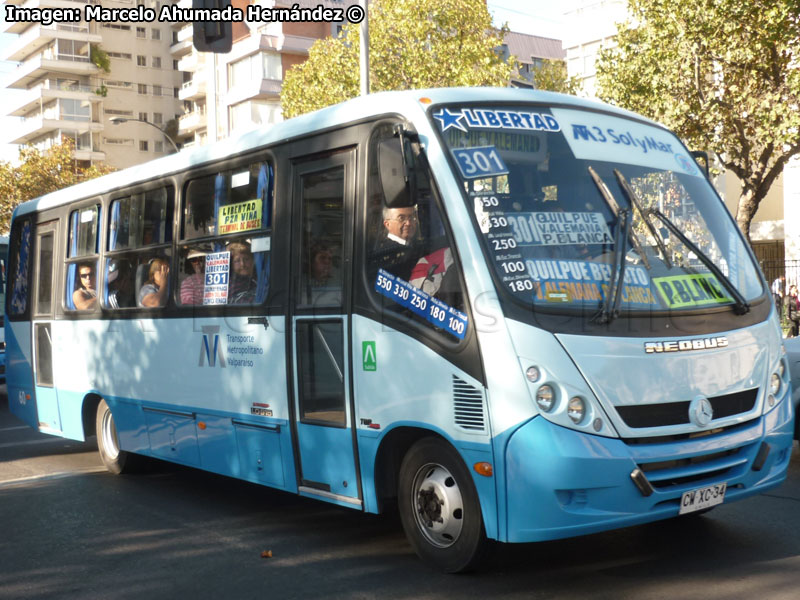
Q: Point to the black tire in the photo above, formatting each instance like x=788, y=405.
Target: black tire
x=116, y=461
x=439, y=507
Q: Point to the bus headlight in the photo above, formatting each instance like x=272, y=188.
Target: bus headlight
x=533, y=374
x=775, y=383
x=545, y=398
x=576, y=409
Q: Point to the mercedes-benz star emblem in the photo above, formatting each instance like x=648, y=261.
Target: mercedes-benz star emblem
x=700, y=411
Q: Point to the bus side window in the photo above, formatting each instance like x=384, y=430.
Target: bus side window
x=411, y=266
x=140, y=233
x=19, y=268
x=82, y=259
x=224, y=250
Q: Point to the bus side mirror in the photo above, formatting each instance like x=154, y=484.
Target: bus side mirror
x=701, y=158
x=212, y=36
x=397, y=179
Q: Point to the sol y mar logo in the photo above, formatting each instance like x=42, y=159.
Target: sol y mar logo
x=210, y=350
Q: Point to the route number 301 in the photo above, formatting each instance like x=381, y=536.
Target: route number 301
x=483, y=161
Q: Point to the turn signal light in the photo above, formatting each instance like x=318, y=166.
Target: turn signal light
x=201, y=425
x=483, y=468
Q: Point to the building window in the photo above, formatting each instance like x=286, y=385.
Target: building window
x=141, y=61
x=155, y=33
x=143, y=146
x=156, y=62
x=175, y=65
x=119, y=84
x=141, y=32
x=158, y=146
x=74, y=110
x=120, y=55
x=158, y=118
x=122, y=113
x=263, y=65
x=143, y=89
x=156, y=90
x=143, y=116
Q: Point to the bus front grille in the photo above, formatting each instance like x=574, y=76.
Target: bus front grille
x=677, y=413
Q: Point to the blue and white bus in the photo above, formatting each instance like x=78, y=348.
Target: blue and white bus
x=522, y=315
x=3, y=259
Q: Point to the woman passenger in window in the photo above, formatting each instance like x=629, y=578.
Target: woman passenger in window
x=193, y=286
x=243, y=284
x=154, y=291
x=85, y=295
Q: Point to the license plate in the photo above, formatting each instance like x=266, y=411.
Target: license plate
x=699, y=499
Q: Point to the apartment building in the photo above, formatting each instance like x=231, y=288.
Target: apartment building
x=64, y=94
x=224, y=94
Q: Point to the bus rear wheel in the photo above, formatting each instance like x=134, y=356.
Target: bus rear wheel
x=117, y=461
x=439, y=507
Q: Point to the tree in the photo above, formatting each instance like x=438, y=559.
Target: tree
x=39, y=173
x=552, y=76
x=722, y=74
x=413, y=44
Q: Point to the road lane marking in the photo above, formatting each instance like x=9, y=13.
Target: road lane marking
x=42, y=441
x=48, y=476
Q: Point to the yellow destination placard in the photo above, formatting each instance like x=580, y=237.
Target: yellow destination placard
x=682, y=291
x=242, y=216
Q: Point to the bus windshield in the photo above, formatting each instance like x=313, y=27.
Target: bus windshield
x=583, y=210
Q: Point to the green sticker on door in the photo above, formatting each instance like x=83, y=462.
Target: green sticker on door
x=368, y=356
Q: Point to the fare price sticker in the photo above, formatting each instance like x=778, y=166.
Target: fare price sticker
x=421, y=303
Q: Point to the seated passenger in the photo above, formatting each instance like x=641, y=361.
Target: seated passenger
x=154, y=292
x=325, y=284
x=85, y=295
x=120, y=284
x=243, y=284
x=192, y=287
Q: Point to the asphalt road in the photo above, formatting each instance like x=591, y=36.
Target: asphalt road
x=68, y=529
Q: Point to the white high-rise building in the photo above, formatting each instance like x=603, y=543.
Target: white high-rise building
x=64, y=94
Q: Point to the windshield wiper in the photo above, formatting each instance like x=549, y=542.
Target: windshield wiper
x=610, y=307
x=633, y=198
x=741, y=305
x=616, y=210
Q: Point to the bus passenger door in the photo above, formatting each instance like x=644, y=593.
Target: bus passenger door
x=49, y=418
x=323, y=404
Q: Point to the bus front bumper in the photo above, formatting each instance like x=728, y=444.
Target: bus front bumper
x=563, y=483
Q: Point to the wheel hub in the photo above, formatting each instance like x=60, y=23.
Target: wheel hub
x=439, y=505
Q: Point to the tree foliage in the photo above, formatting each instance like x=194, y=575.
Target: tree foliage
x=721, y=73
x=413, y=44
x=552, y=76
x=40, y=173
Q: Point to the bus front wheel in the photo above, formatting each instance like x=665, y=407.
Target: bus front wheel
x=439, y=507
x=117, y=461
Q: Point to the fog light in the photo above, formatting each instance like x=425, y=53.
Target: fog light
x=781, y=369
x=771, y=400
x=597, y=424
x=533, y=374
x=576, y=409
x=774, y=383
x=545, y=398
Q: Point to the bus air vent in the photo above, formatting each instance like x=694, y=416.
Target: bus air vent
x=468, y=406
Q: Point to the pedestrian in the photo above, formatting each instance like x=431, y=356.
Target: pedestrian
x=792, y=311
x=778, y=287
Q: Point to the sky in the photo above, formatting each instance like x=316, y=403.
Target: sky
x=534, y=17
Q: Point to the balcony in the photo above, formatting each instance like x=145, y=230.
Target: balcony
x=191, y=90
x=191, y=122
x=46, y=91
x=184, y=44
x=264, y=89
x=34, y=69
x=192, y=62
x=88, y=154
x=31, y=128
x=20, y=26
x=39, y=36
